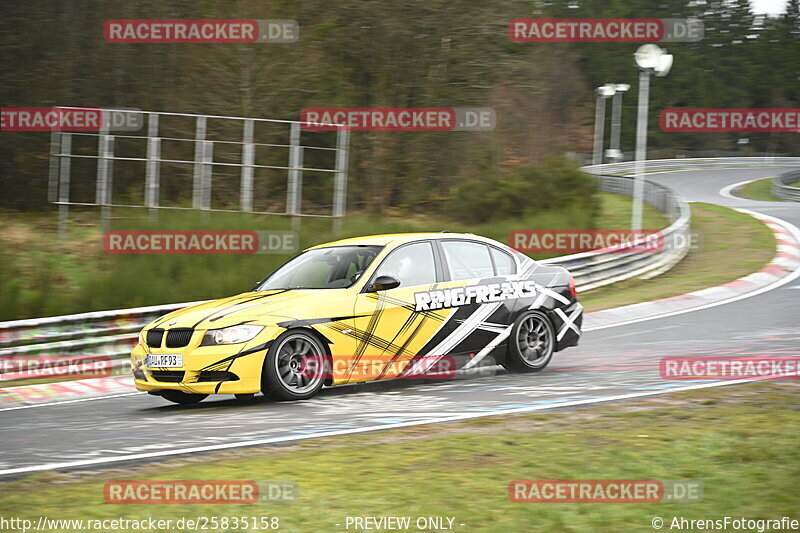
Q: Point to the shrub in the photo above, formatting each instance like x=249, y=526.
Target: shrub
x=553, y=185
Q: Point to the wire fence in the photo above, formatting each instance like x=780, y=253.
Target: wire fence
x=257, y=165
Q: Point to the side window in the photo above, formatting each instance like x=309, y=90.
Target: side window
x=467, y=260
x=411, y=264
x=503, y=263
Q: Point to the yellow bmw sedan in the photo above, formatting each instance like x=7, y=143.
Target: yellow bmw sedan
x=368, y=308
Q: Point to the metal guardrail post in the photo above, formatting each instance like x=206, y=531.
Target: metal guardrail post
x=206, y=174
x=52, y=174
x=295, y=169
x=105, y=143
x=197, y=177
x=340, y=179
x=63, y=185
x=248, y=157
x=301, y=153
x=153, y=171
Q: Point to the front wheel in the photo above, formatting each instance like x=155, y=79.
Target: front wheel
x=531, y=344
x=293, y=368
x=183, y=398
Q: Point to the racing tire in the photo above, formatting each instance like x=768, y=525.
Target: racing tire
x=183, y=398
x=293, y=367
x=531, y=344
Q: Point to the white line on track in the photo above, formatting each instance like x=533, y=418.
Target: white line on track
x=368, y=429
x=71, y=401
x=651, y=330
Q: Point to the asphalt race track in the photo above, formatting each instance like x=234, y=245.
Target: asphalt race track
x=612, y=364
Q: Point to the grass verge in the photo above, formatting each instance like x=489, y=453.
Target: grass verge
x=739, y=441
x=738, y=241
x=757, y=190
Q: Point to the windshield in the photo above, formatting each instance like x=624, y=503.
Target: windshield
x=336, y=267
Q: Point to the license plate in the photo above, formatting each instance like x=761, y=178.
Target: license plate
x=165, y=360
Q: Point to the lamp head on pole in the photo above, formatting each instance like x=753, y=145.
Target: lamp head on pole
x=653, y=58
x=664, y=65
x=606, y=91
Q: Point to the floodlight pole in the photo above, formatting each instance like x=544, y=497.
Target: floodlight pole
x=599, y=121
x=603, y=93
x=641, y=148
x=651, y=59
x=616, y=120
x=599, y=126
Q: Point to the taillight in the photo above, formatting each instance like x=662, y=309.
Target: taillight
x=572, y=290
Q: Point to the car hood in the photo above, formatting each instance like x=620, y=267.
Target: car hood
x=263, y=308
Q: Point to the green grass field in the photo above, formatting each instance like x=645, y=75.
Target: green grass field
x=758, y=190
x=740, y=442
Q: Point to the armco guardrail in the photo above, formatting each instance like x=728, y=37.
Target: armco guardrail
x=782, y=189
x=110, y=333
x=114, y=333
x=629, y=167
x=596, y=269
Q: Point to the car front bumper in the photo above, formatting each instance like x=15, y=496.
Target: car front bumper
x=223, y=369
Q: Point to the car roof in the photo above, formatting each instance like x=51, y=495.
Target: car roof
x=398, y=238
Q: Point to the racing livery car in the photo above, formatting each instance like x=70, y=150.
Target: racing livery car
x=399, y=302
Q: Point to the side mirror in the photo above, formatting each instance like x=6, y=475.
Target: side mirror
x=255, y=286
x=384, y=283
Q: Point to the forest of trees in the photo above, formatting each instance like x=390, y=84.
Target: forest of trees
x=420, y=53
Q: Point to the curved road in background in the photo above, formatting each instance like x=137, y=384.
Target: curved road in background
x=614, y=363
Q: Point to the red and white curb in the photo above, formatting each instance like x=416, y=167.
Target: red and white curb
x=783, y=268
x=65, y=392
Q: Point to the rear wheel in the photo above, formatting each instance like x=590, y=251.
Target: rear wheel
x=293, y=368
x=185, y=398
x=531, y=344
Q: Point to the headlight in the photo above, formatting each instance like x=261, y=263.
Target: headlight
x=231, y=335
